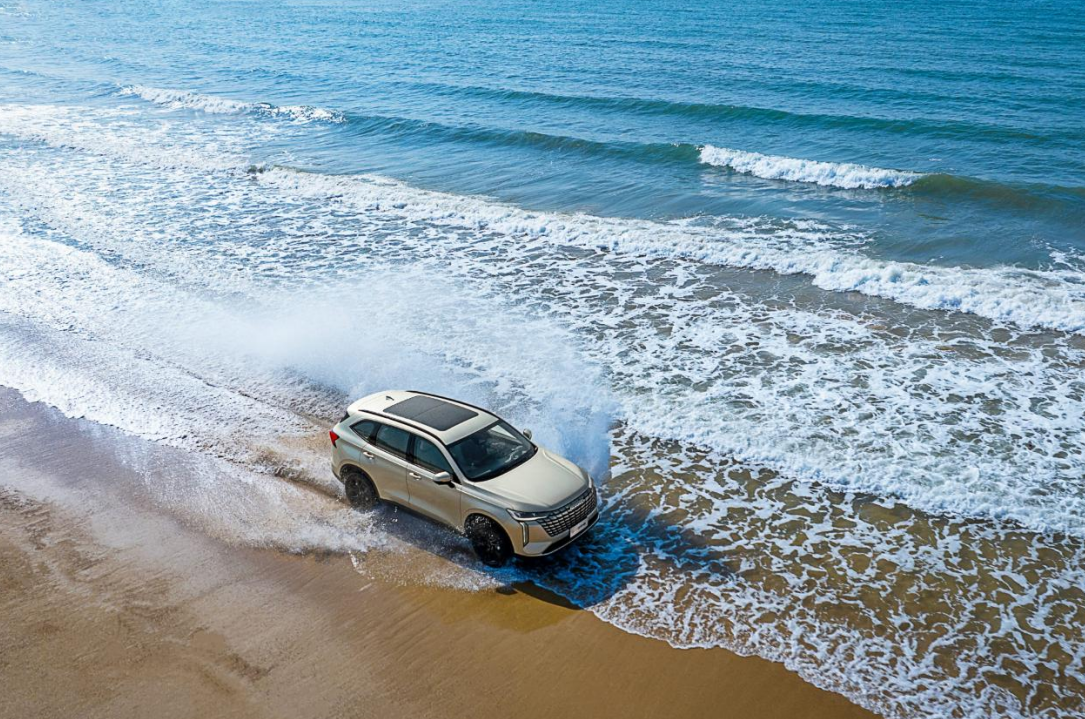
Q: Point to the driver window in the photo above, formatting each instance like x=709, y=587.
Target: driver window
x=428, y=456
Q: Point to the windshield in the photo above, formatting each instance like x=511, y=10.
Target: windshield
x=491, y=451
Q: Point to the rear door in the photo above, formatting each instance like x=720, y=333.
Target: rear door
x=440, y=501
x=385, y=459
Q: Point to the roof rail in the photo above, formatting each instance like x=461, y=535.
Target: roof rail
x=402, y=420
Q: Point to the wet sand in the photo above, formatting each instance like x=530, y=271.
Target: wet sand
x=111, y=608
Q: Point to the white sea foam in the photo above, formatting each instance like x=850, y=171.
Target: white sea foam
x=1030, y=299
x=825, y=557
x=1001, y=479
x=88, y=338
x=184, y=99
x=131, y=138
x=830, y=174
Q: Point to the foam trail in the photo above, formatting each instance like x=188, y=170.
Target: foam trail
x=184, y=99
x=829, y=174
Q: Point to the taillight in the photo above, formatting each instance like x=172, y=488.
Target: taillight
x=333, y=436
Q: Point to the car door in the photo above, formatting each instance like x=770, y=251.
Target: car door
x=385, y=460
x=353, y=443
x=440, y=501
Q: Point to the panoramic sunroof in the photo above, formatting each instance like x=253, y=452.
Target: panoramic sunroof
x=431, y=412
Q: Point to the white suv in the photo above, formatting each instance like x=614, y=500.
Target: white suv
x=464, y=467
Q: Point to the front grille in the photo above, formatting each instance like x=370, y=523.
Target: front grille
x=561, y=520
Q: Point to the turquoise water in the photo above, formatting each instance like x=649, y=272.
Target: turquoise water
x=803, y=283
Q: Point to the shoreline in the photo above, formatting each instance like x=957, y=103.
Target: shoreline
x=114, y=608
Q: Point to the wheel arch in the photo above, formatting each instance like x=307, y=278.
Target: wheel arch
x=351, y=468
x=476, y=513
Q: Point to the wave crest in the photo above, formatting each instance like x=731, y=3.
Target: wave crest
x=829, y=174
x=184, y=99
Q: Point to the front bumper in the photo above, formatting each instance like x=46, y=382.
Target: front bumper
x=540, y=544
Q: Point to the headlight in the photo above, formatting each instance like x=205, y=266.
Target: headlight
x=527, y=516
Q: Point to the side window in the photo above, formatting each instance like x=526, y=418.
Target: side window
x=428, y=456
x=393, y=440
x=365, y=429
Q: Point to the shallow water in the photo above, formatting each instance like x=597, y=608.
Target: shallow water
x=824, y=333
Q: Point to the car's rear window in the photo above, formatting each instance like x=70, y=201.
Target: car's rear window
x=365, y=429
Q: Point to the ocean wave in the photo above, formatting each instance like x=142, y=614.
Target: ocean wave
x=830, y=174
x=1029, y=197
x=473, y=227
x=184, y=99
x=1049, y=299
x=391, y=125
x=398, y=126
x=772, y=386
x=1067, y=202
x=130, y=139
x=744, y=113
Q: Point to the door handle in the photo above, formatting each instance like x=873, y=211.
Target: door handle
x=414, y=475
x=367, y=454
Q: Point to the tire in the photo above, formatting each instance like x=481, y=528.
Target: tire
x=491, y=544
x=361, y=493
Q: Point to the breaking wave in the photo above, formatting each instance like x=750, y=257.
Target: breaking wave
x=830, y=174
x=184, y=99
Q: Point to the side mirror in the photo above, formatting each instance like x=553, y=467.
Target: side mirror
x=526, y=433
x=442, y=478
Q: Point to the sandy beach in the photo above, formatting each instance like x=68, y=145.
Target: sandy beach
x=112, y=609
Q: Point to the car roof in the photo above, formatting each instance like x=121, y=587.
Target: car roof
x=434, y=413
x=446, y=419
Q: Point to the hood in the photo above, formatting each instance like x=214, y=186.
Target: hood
x=543, y=482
